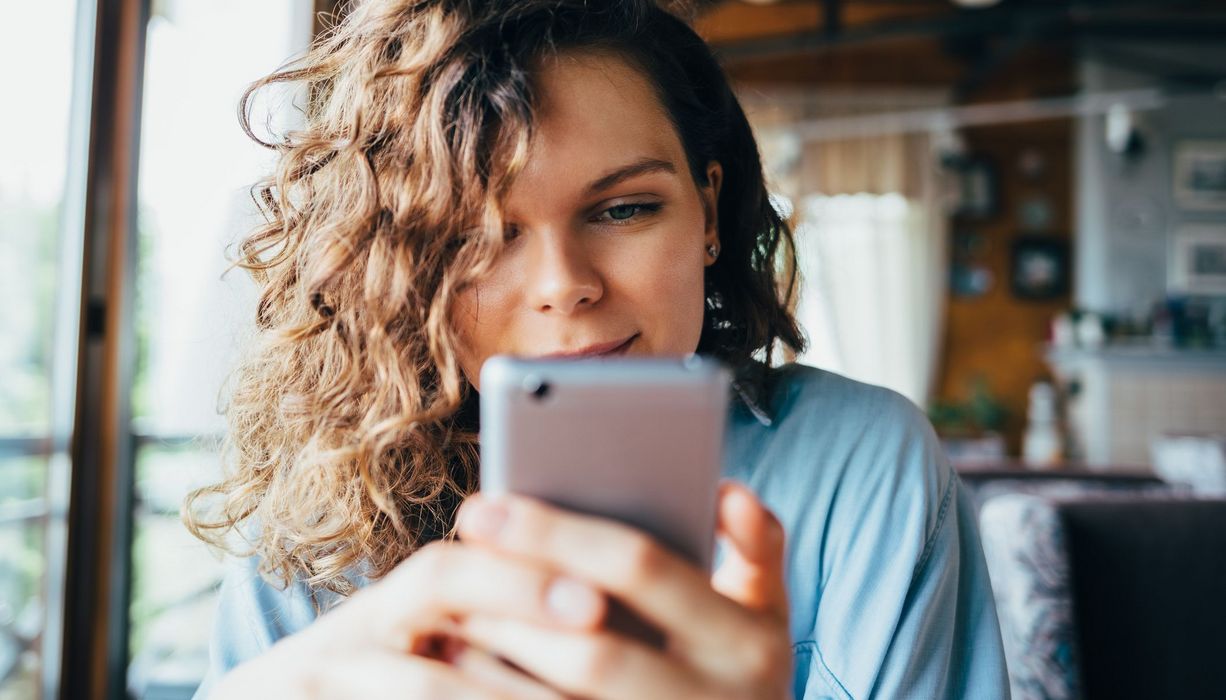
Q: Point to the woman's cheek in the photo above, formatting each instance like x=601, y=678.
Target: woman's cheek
x=666, y=282
x=482, y=313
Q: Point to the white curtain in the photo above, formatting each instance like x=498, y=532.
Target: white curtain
x=873, y=290
x=871, y=229
x=194, y=319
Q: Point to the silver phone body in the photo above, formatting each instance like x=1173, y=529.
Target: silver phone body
x=635, y=440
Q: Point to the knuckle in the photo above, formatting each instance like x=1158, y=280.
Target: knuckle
x=430, y=562
x=527, y=517
x=758, y=662
x=530, y=523
x=598, y=663
x=643, y=559
x=306, y=684
x=774, y=528
x=766, y=652
x=425, y=573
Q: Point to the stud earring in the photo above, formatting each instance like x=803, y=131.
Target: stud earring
x=713, y=251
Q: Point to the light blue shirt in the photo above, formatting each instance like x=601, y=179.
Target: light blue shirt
x=887, y=583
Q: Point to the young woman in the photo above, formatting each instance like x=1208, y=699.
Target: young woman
x=535, y=177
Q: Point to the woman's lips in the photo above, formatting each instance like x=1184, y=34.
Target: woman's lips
x=610, y=349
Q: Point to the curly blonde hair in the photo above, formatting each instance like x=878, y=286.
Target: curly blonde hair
x=352, y=437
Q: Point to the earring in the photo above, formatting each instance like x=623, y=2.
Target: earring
x=713, y=251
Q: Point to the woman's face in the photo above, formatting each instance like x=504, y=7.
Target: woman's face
x=609, y=232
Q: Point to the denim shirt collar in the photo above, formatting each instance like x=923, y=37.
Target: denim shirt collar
x=750, y=386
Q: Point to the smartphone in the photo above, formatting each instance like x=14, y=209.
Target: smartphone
x=639, y=440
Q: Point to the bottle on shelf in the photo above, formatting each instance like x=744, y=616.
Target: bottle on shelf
x=1042, y=445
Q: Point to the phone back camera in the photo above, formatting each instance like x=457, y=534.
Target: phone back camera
x=536, y=387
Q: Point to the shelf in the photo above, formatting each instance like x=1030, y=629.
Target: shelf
x=1145, y=354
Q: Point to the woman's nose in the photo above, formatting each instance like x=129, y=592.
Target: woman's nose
x=563, y=278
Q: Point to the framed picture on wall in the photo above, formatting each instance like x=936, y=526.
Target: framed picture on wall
x=1200, y=175
x=1039, y=269
x=1198, y=259
x=969, y=274
x=978, y=187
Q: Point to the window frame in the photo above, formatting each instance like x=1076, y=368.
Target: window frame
x=91, y=447
x=97, y=563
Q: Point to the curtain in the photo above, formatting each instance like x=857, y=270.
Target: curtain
x=870, y=225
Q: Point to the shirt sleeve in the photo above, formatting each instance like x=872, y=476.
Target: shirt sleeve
x=905, y=609
x=252, y=614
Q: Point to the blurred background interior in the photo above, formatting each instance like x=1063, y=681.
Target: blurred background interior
x=1013, y=212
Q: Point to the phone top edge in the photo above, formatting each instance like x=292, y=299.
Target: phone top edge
x=501, y=369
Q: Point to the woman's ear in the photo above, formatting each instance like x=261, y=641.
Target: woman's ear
x=710, y=204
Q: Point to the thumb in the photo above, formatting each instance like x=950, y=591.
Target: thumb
x=752, y=570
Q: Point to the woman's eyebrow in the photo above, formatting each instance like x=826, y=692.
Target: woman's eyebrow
x=638, y=167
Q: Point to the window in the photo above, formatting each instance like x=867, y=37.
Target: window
x=41, y=194
x=196, y=170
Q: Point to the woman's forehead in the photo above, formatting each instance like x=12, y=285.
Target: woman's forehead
x=597, y=88
x=595, y=113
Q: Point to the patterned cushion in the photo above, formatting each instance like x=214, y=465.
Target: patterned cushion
x=1028, y=563
x=1024, y=543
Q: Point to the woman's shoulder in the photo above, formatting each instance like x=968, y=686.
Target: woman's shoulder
x=812, y=405
x=824, y=441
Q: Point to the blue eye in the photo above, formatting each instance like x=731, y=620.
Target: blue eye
x=622, y=212
x=629, y=212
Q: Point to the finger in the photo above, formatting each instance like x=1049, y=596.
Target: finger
x=752, y=572
x=493, y=672
x=445, y=580
x=386, y=675
x=595, y=665
x=369, y=674
x=657, y=584
x=750, y=526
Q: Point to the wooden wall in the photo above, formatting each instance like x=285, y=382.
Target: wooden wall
x=998, y=336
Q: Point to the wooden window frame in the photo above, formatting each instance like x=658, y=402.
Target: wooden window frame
x=92, y=626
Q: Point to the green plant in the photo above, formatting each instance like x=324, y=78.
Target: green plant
x=980, y=412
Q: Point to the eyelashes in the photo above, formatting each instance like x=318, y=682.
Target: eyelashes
x=634, y=212
x=617, y=215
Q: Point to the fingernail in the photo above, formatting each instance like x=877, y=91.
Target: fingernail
x=572, y=601
x=484, y=518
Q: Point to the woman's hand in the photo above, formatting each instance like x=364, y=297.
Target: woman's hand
x=396, y=638
x=528, y=585
x=727, y=638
